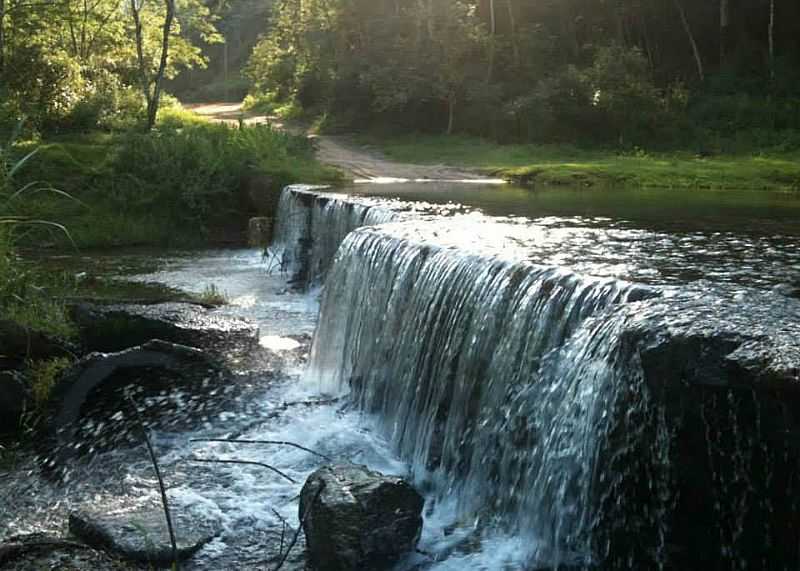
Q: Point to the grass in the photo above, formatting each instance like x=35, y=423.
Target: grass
x=212, y=295
x=570, y=165
x=168, y=188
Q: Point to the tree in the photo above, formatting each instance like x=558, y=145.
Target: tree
x=152, y=82
x=695, y=50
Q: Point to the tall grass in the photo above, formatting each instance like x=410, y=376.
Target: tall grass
x=173, y=186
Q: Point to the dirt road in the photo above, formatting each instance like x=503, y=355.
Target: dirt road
x=358, y=163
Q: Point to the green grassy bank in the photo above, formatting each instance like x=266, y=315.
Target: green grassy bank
x=182, y=185
x=562, y=164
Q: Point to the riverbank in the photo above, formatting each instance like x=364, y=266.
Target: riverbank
x=188, y=183
x=570, y=165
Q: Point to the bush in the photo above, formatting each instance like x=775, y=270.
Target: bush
x=191, y=173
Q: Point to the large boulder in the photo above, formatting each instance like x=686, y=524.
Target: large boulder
x=119, y=326
x=356, y=519
x=142, y=534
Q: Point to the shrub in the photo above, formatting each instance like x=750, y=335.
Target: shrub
x=43, y=375
x=190, y=173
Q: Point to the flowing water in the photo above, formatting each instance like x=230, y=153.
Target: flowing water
x=486, y=343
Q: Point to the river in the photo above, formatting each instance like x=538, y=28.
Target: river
x=477, y=330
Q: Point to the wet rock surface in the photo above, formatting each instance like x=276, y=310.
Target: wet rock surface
x=713, y=424
x=142, y=535
x=38, y=551
x=119, y=326
x=15, y=399
x=102, y=380
x=356, y=519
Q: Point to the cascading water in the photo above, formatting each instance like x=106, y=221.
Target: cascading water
x=518, y=391
x=312, y=224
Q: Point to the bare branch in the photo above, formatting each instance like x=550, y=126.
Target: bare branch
x=272, y=442
x=246, y=463
x=162, y=488
x=284, y=556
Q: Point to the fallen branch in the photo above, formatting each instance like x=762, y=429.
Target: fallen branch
x=285, y=556
x=273, y=442
x=162, y=488
x=246, y=463
x=280, y=517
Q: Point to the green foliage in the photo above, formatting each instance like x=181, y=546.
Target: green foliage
x=173, y=186
x=43, y=376
x=191, y=173
x=620, y=73
x=73, y=65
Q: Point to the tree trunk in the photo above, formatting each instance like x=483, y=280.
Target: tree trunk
x=724, y=26
x=430, y=20
x=451, y=112
x=152, y=87
x=492, y=47
x=2, y=35
x=152, y=109
x=692, y=41
x=772, y=39
x=512, y=22
x=137, y=27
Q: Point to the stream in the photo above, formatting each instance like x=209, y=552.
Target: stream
x=483, y=336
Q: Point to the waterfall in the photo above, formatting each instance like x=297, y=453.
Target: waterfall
x=312, y=224
x=605, y=422
x=482, y=370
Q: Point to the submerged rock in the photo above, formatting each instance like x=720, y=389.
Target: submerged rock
x=142, y=535
x=119, y=326
x=356, y=519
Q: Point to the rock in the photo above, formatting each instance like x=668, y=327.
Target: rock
x=38, y=551
x=18, y=343
x=356, y=519
x=709, y=420
x=141, y=535
x=97, y=385
x=15, y=398
x=119, y=326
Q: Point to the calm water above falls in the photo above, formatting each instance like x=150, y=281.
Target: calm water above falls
x=647, y=235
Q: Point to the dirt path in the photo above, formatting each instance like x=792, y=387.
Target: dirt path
x=341, y=152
